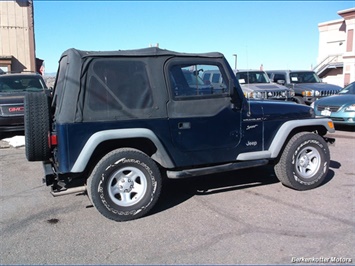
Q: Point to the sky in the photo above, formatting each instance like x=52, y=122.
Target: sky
x=276, y=34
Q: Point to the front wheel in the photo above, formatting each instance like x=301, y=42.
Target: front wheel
x=304, y=162
x=124, y=185
x=299, y=100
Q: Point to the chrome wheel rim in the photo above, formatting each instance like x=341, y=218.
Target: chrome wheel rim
x=308, y=162
x=127, y=186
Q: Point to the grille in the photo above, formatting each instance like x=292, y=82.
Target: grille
x=12, y=109
x=330, y=108
x=328, y=93
x=339, y=119
x=276, y=94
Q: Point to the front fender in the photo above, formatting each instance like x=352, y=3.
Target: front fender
x=281, y=136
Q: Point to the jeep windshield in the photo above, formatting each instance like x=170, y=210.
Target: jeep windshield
x=304, y=77
x=250, y=77
x=20, y=83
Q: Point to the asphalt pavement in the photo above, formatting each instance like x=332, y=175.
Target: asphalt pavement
x=240, y=217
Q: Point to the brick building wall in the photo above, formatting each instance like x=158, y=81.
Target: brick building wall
x=17, y=44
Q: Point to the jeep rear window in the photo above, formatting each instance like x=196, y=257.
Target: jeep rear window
x=116, y=88
x=60, y=82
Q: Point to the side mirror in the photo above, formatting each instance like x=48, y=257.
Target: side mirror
x=235, y=99
x=281, y=82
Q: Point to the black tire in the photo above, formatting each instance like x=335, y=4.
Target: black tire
x=299, y=100
x=304, y=162
x=124, y=185
x=37, y=125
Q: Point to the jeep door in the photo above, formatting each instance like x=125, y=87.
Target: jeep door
x=205, y=127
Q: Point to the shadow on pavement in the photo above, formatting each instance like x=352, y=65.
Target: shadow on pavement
x=177, y=191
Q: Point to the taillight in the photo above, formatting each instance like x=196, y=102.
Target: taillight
x=52, y=140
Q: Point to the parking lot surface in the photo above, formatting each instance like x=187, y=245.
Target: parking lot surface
x=240, y=217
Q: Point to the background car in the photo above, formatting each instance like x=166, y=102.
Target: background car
x=196, y=86
x=257, y=85
x=307, y=85
x=340, y=108
x=13, y=88
x=215, y=79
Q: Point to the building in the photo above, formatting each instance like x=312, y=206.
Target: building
x=336, y=55
x=17, y=41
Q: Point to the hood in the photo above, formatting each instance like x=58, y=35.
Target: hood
x=275, y=110
x=10, y=98
x=336, y=100
x=317, y=86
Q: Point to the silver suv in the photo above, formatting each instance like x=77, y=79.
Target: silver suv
x=257, y=85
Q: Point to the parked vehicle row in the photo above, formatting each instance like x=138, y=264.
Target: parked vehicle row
x=303, y=87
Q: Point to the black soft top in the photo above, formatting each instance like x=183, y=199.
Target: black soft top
x=82, y=74
x=150, y=51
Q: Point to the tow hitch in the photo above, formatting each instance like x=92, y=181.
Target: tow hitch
x=330, y=141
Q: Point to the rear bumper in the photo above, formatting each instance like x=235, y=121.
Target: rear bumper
x=12, y=128
x=49, y=174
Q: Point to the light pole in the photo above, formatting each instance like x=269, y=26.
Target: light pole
x=235, y=61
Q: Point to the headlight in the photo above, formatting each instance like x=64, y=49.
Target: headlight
x=350, y=108
x=258, y=95
x=291, y=93
x=317, y=93
x=254, y=95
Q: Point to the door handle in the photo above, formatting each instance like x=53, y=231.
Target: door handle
x=184, y=125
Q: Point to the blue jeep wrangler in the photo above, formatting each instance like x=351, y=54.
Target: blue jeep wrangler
x=119, y=122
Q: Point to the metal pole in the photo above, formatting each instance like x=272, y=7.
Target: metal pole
x=235, y=61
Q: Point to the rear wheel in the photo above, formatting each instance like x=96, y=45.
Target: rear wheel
x=304, y=162
x=37, y=125
x=124, y=185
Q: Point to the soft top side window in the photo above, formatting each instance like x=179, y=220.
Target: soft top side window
x=194, y=81
x=117, y=87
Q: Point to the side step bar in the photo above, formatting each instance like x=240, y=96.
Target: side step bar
x=215, y=169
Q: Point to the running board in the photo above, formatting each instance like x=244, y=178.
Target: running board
x=68, y=191
x=215, y=169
